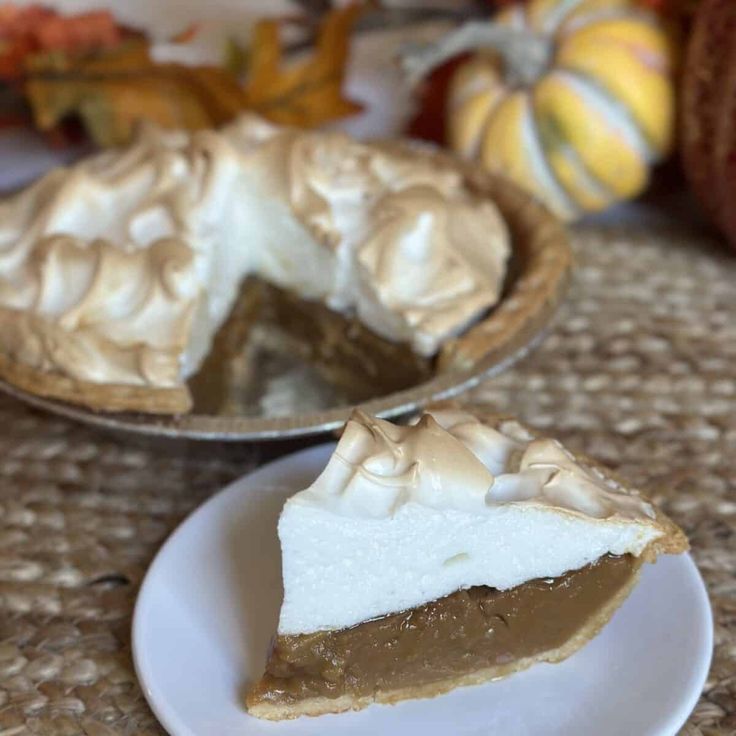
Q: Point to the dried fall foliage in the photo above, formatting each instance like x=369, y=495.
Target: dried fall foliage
x=89, y=69
x=308, y=92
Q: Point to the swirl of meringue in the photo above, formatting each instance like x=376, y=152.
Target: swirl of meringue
x=335, y=181
x=93, y=305
x=542, y=472
x=380, y=467
x=331, y=185
x=426, y=267
x=549, y=475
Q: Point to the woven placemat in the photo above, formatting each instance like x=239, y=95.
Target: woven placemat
x=640, y=372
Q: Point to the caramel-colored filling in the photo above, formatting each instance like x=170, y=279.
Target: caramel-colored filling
x=343, y=350
x=466, y=632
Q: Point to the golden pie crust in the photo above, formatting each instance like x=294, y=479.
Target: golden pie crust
x=98, y=396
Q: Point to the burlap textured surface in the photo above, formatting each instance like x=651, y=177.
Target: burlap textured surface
x=639, y=371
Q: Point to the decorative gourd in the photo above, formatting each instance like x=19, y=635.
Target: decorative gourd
x=708, y=112
x=572, y=99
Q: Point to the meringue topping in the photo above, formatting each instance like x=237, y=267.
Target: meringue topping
x=416, y=513
x=541, y=471
x=131, y=260
x=451, y=460
x=379, y=467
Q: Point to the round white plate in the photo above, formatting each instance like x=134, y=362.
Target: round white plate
x=210, y=602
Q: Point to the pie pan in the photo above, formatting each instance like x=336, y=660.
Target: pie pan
x=278, y=397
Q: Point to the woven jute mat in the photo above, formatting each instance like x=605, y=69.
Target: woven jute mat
x=639, y=372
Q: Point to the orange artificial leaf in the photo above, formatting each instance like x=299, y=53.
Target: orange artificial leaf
x=112, y=91
x=308, y=92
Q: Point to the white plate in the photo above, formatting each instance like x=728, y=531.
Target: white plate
x=210, y=602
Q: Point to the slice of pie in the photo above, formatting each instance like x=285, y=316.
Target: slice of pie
x=452, y=552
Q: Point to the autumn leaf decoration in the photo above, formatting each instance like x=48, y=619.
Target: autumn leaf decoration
x=112, y=92
x=309, y=92
x=111, y=89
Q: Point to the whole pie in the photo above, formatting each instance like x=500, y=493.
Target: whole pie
x=452, y=552
x=119, y=274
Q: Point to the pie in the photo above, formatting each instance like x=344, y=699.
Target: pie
x=118, y=274
x=452, y=552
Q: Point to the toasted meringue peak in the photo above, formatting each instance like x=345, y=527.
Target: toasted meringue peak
x=379, y=467
x=542, y=471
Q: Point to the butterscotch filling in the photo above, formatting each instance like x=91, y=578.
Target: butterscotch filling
x=466, y=632
x=344, y=351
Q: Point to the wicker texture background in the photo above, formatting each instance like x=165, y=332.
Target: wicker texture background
x=639, y=371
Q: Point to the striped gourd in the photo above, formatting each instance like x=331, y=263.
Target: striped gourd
x=580, y=110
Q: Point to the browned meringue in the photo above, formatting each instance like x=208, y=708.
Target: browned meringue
x=121, y=268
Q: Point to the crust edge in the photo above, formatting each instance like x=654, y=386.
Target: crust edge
x=95, y=396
